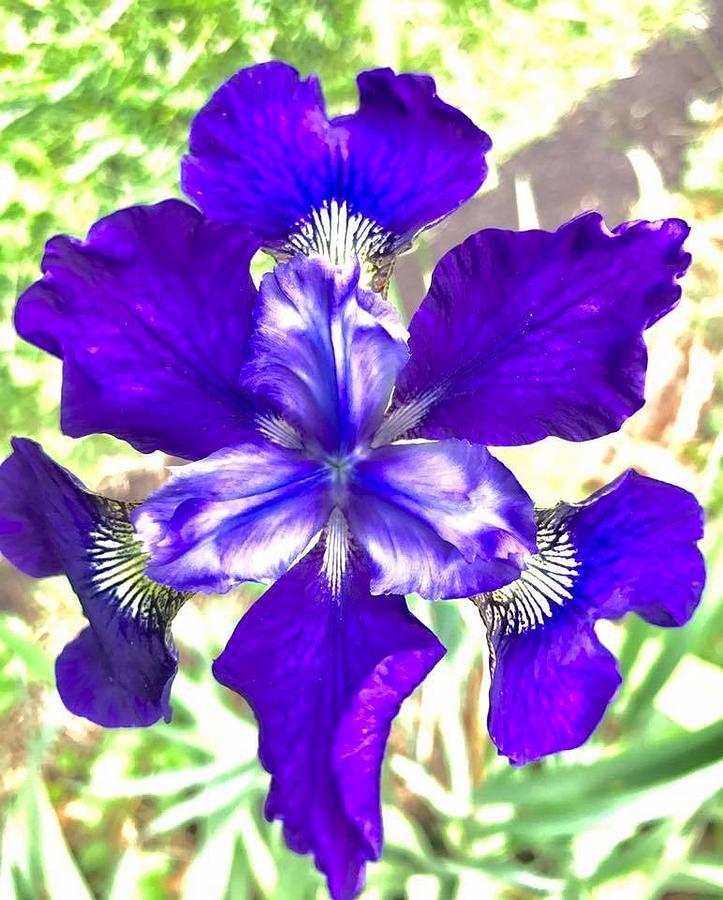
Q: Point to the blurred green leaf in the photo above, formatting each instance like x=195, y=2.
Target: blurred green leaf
x=166, y=784
x=132, y=874
x=209, y=874
x=699, y=876
x=52, y=867
x=24, y=647
x=217, y=797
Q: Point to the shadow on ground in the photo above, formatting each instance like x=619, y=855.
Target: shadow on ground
x=583, y=164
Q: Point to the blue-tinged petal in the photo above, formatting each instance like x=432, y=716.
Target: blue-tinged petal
x=150, y=315
x=439, y=518
x=550, y=688
x=630, y=547
x=325, y=352
x=636, y=541
x=25, y=539
x=244, y=513
x=263, y=154
x=119, y=670
x=411, y=159
x=259, y=153
x=325, y=677
x=531, y=334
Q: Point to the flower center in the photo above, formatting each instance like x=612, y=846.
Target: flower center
x=340, y=468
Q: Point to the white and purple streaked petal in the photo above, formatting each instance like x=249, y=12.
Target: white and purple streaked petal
x=263, y=154
x=630, y=547
x=550, y=688
x=244, y=513
x=325, y=677
x=325, y=352
x=151, y=316
x=531, y=334
x=118, y=671
x=439, y=518
x=636, y=540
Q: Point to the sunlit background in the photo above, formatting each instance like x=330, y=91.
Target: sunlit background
x=613, y=105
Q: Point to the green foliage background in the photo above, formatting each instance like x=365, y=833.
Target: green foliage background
x=95, y=103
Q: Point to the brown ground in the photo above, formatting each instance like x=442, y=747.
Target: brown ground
x=582, y=165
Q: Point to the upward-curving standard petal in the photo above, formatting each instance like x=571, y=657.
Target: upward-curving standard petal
x=531, y=334
x=150, y=315
x=119, y=670
x=325, y=353
x=265, y=155
x=325, y=677
x=630, y=547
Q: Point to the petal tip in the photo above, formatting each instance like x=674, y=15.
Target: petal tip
x=89, y=689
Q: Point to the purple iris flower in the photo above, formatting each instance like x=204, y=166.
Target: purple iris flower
x=436, y=517
x=118, y=670
x=630, y=547
x=338, y=458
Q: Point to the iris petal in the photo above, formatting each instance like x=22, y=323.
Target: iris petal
x=630, y=547
x=119, y=670
x=531, y=334
x=550, y=688
x=325, y=677
x=637, y=540
x=242, y=514
x=265, y=155
x=150, y=315
x=259, y=152
x=439, y=518
x=326, y=352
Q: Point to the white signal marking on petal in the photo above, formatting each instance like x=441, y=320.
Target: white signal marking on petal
x=403, y=419
x=279, y=432
x=116, y=570
x=547, y=582
x=334, y=563
x=339, y=235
